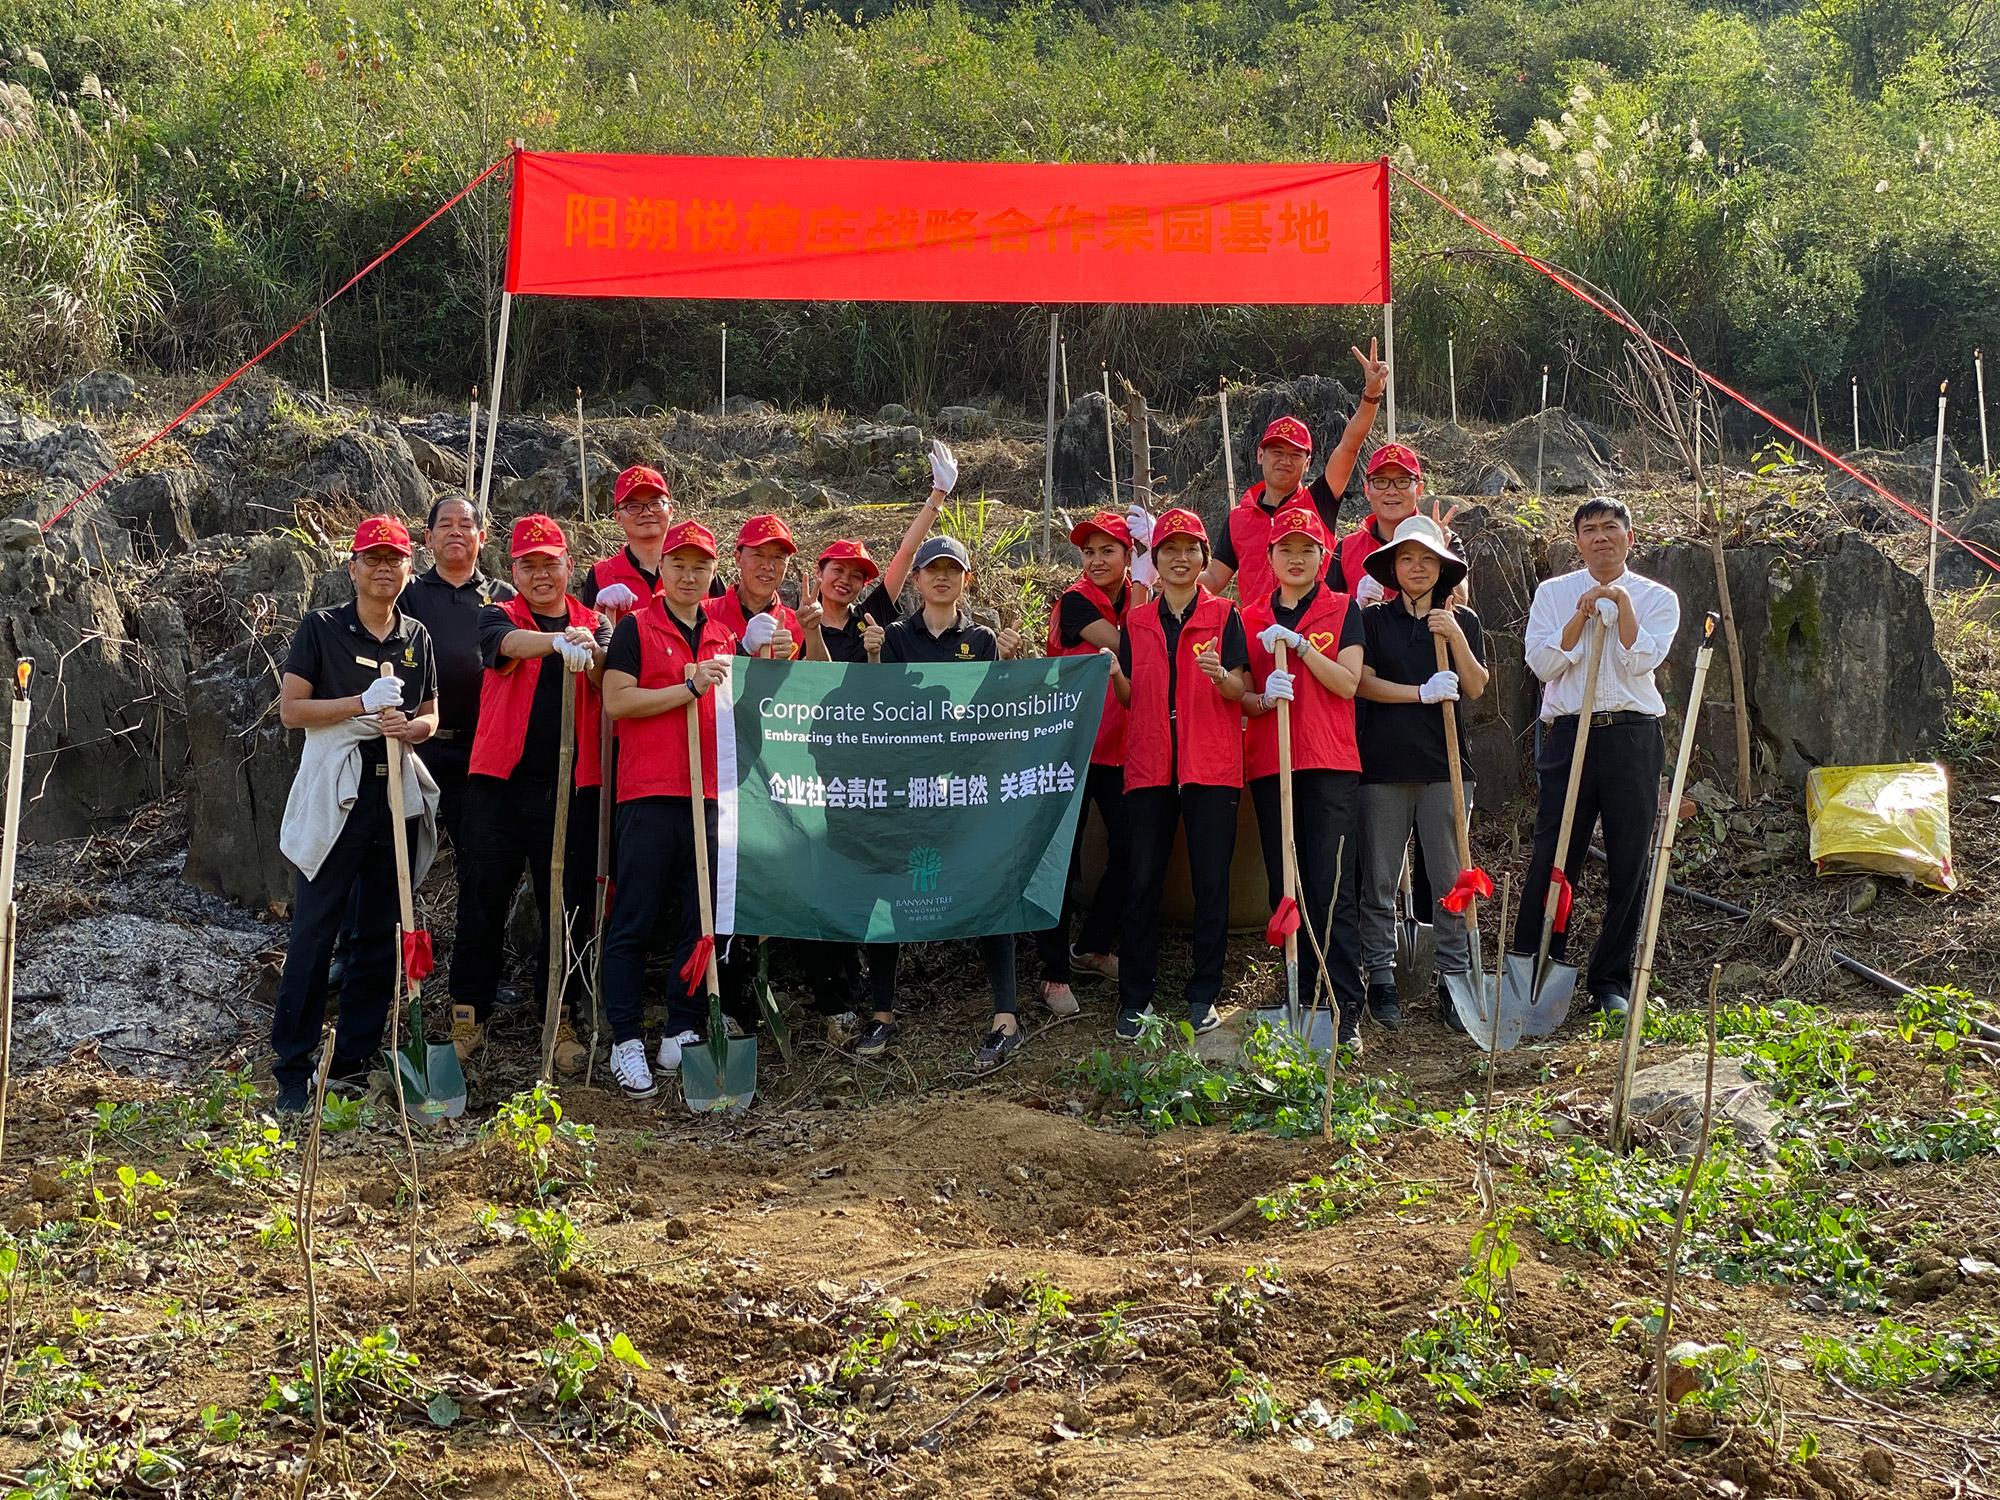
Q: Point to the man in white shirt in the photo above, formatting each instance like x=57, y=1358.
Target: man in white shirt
x=1626, y=752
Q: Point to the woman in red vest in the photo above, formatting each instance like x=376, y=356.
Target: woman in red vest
x=511, y=791
x=1181, y=669
x=1321, y=629
x=663, y=659
x=1087, y=619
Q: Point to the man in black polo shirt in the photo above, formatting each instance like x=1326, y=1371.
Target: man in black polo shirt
x=333, y=689
x=1399, y=724
x=447, y=599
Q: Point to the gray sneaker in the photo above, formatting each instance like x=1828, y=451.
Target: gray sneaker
x=997, y=1050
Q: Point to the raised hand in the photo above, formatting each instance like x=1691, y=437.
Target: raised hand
x=1374, y=373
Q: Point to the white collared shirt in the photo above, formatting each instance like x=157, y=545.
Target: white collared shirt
x=1625, y=675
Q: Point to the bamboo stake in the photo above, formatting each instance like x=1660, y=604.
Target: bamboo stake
x=558, y=913
x=472, y=450
x=1541, y=431
x=1681, y=1214
x=1451, y=374
x=1063, y=345
x=1979, y=373
x=325, y=380
x=582, y=464
x=1110, y=440
x=407, y=989
x=1389, y=358
x=10, y=843
x=493, y=407
x=1228, y=450
x=722, y=386
x=1049, y=439
x=1854, y=390
x=1937, y=489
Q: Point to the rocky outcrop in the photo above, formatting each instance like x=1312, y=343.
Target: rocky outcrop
x=1908, y=476
x=243, y=761
x=101, y=393
x=1838, y=650
x=1577, y=458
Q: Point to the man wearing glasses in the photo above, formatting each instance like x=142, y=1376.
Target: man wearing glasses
x=1393, y=483
x=642, y=505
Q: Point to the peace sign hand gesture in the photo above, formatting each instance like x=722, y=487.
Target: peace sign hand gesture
x=1374, y=373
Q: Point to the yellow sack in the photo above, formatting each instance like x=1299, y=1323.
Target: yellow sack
x=1894, y=820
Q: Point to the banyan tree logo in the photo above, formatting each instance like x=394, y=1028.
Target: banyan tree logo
x=924, y=863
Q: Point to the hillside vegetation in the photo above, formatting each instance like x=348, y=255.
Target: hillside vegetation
x=1801, y=192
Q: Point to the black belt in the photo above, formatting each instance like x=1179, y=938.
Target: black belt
x=1605, y=721
x=448, y=734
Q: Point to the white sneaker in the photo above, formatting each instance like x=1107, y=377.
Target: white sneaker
x=628, y=1067
x=670, y=1050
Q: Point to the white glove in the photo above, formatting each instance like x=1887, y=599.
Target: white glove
x=1143, y=570
x=944, y=467
x=383, y=692
x=1368, y=591
x=575, y=655
x=757, y=634
x=1442, y=686
x=616, y=596
x=1278, y=687
x=1139, y=521
x=1607, y=611
x=1274, y=635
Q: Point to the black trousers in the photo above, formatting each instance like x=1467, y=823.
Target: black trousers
x=1620, y=789
x=1103, y=789
x=510, y=826
x=996, y=952
x=361, y=869
x=1325, y=833
x=446, y=763
x=1151, y=814
x=832, y=973
x=654, y=904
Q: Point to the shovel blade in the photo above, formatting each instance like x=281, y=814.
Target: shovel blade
x=1313, y=1027
x=433, y=1081
x=767, y=1002
x=1538, y=1008
x=1416, y=952
x=709, y=1089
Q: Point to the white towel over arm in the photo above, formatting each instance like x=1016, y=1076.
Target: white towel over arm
x=324, y=790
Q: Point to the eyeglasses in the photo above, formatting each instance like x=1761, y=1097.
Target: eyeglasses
x=642, y=507
x=1405, y=482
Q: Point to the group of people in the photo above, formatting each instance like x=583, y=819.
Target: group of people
x=1364, y=635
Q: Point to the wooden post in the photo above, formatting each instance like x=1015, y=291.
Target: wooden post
x=1541, y=431
x=1228, y=451
x=1049, y=438
x=582, y=464
x=1979, y=374
x=1142, y=445
x=1110, y=438
x=1854, y=388
x=1389, y=358
x=10, y=843
x=722, y=388
x=1451, y=373
x=1937, y=488
x=1063, y=343
x=472, y=450
x=325, y=380
x=493, y=407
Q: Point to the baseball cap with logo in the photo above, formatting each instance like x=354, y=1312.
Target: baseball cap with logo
x=383, y=531
x=761, y=529
x=1400, y=454
x=947, y=548
x=689, y=534
x=1291, y=432
x=844, y=550
x=537, y=534
x=1299, y=520
x=1105, y=523
x=1179, y=522
x=639, y=483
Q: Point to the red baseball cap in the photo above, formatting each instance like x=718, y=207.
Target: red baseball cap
x=1290, y=431
x=1106, y=522
x=1298, y=520
x=1179, y=522
x=761, y=529
x=383, y=531
x=854, y=552
x=689, y=534
x=1400, y=454
x=537, y=533
x=636, y=483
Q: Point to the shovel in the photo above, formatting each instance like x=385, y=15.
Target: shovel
x=557, y=915
x=720, y=1073
x=1540, y=990
x=429, y=1076
x=1416, y=944
x=1283, y=929
x=1472, y=998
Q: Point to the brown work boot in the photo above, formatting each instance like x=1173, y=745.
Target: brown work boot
x=467, y=1035
x=570, y=1053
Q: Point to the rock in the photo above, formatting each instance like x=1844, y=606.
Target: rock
x=1499, y=725
x=1907, y=475
x=1838, y=650
x=638, y=396
x=242, y=764
x=1082, y=469
x=73, y=454
x=1958, y=569
x=747, y=406
x=157, y=506
x=1925, y=1288
x=1666, y=1104
x=1742, y=979
x=363, y=470
x=821, y=496
x=1576, y=457
x=761, y=494
x=1879, y=1465
x=440, y=465
x=964, y=421
x=555, y=491
x=100, y=393
x=895, y=416
x=19, y=534
x=868, y=446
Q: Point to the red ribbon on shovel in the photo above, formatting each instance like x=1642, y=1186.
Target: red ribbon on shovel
x=696, y=968
x=1563, y=895
x=1284, y=922
x=418, y=960
x=1470, y=883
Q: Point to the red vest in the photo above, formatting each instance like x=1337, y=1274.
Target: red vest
x=1322, y=720
x=617, y=568
x=1250, y=535
x=1210, y=727
x=1110, y=747
x=653, y=752
x=727, y=611
x=1355, y=549
x=507, y=698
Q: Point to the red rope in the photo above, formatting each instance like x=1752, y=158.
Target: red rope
x=249, y=364
x=1681, y=359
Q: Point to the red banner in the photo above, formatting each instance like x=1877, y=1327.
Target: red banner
x=925, y=231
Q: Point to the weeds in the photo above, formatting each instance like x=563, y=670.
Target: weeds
x=1902, y=1357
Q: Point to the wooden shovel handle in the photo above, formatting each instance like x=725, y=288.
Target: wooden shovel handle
x=697, y=798
x=398, y=815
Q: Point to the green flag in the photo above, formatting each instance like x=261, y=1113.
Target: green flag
x=901, y=803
